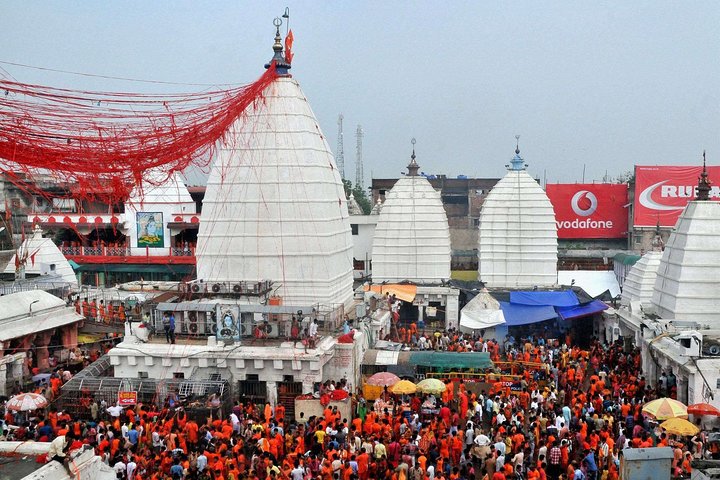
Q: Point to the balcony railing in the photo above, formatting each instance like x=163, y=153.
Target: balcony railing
x=187, y=251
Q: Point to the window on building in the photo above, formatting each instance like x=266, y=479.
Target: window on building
x=354, y=228
x=178, y=375
x=143, y=375
x=64, y=205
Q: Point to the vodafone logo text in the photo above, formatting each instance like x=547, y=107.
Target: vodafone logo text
x=584, y=203
x=589, y=210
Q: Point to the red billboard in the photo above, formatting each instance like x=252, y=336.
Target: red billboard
x=589, y=210
x=661, y=193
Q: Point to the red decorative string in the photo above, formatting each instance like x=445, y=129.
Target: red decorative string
x=97, y=145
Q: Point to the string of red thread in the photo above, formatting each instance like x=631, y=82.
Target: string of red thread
x=98, y=144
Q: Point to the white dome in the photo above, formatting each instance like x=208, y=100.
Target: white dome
x=43, y=258
x=412, y=237
x=517, y=244
x=640, y=280
x=688, y=280
x=275, y=205
x=161, y=188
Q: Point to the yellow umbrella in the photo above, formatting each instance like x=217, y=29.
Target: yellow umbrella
x=664, y=408
x=680, y=426
x=431, y=385
x=403, y=387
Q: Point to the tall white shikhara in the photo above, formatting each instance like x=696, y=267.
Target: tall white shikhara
x=412, y=237
x=517, y=244
x=687, y=285
x=275, y=205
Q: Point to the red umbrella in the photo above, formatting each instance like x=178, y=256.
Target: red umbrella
x=383, y=379
x=703, y=409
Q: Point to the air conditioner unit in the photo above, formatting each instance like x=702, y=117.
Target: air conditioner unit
x=237, y=288
x=218, y=288
x=690, y=343
x=211, y=323
x=246, y=324
x=228, y=322
x=182, y=320
x=197, y=323
x=195, y=288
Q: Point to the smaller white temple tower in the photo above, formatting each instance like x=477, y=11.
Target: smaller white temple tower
x=412, y=237
x=518, y=237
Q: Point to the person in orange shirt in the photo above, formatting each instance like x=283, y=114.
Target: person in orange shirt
x=363, y=461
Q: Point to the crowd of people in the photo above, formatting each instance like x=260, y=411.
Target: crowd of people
x=567, y=420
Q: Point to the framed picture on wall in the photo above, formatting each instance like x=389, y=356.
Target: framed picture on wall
x=150, y=230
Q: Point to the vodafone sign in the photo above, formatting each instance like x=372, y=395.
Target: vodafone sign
x=661, y=193
x=590, y=210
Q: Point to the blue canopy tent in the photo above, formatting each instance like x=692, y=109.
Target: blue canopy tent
x=567, y=313
x=516, y=315
x=565, y=298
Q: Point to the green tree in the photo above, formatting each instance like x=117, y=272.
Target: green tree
x=362, y=199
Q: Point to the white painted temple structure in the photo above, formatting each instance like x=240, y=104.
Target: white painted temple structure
x=275, y=205
x=412, y=244
x=517, y=245
x=412, y=237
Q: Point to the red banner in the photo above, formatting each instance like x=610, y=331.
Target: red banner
x=589, y=210
x=127, y=398
x=661, y=193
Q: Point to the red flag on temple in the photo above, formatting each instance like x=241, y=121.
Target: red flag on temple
x=288, y=46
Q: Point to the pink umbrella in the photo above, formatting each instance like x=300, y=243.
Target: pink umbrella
x=26, y=402
x=383, y=379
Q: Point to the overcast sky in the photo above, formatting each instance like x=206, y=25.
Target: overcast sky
x=602, y=84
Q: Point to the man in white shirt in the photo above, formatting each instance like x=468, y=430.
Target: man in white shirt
x=58, y=449
x=313, y=329
x=235, y=422
x=297, y=473
x=115, y=411
x=202, y=462
x=130, y=468
x=120, y=469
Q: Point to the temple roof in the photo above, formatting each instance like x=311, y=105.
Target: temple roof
x=412, y=237
x=517, y=244
x=161, y=188
x=43, y=257
x=275, y=205
x=688, y=279
x=640, y=280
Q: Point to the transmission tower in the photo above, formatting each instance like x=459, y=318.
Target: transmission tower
x=359, y=174
x=340, y=157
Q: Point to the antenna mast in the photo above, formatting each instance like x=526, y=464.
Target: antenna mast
x=359, y=174
x=340, y=159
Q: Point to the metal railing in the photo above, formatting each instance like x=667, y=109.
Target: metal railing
x=120, y=251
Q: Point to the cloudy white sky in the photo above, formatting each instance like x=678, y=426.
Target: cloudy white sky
x=601, y=84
